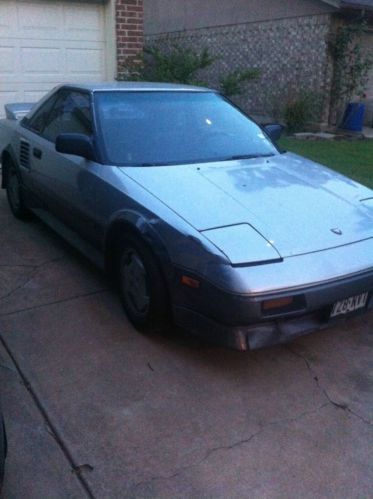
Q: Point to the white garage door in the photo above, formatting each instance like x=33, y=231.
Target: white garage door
x=43, y=43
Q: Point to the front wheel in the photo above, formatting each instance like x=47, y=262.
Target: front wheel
x=14, y=193
x=142, y=287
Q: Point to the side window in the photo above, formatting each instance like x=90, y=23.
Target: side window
x=38, y=120
x=70, y=114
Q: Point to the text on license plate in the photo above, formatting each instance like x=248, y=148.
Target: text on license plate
x=349, y=305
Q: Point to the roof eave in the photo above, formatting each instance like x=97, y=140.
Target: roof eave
x=350, y=6
x=333, y=3
x=345, y=4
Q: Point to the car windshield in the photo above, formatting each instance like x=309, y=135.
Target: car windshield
x=179, y=127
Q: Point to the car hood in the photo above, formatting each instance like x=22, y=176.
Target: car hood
x=295, y=204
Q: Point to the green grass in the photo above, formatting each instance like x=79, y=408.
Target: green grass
x=353, y=158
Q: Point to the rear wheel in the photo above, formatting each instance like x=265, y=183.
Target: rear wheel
x=142, y=287
x=14, y=193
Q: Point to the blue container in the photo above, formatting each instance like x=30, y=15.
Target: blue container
x=353, y=118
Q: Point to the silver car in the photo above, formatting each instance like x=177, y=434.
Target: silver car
x=193, y=210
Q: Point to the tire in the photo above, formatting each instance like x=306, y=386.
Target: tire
x=14, y=193
x=142, y=287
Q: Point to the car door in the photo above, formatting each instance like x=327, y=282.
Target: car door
x=66, y=183
x=27, y=133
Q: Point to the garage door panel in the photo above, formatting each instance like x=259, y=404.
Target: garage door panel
x=39, y=60
x=8, y=18
x=34, y=18
x=84, y=23
x=8, y=56
x=45, y=43
x=32, y=93
x=56, y=44
x=33, y=96
x=93, y=61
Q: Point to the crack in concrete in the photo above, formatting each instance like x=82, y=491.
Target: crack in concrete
x=17, y=288
x=80, y=468
x=3, y=366
x=51, y=260
x=70, y=298
x=239, y=443
x=29, y=278
x=329, y=402
x=51, y=428
x=32, y=266
x=344, y=407
x=16, y=265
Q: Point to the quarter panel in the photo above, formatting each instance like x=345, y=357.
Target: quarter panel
x=120, y=197
x=7, y=129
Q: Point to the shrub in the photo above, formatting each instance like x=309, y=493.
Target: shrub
x=176, y=66
x=232, y=83
x=301, y=109
x=181, y=65
x=351, y=65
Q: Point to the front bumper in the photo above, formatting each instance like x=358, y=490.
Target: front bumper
x=255, y=336
x=236, y=321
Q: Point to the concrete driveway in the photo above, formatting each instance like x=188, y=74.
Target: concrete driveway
x=93, y=408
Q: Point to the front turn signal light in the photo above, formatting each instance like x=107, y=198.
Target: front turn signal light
x=277, y=303
x=190, y=282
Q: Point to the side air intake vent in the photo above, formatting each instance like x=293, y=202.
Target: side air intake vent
x=24, y=154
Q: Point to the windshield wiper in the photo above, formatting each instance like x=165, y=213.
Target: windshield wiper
x=197, y=161
x=248, y=156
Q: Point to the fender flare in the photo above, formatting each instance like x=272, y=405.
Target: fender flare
x=132, y=221
x=8, y=152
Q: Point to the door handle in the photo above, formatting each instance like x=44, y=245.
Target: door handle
x=37, y=153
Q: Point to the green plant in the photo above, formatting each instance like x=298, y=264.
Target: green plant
x=181, y=65
x=177, y=65
x=232, y=83
x=301, y=108
x=351, y=64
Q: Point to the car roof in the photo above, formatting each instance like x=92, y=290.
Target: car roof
x=134, y=86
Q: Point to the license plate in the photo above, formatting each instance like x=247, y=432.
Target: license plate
x=349, y=305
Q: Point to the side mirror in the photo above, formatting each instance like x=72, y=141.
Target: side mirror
x=274, y=131
x=76, y=143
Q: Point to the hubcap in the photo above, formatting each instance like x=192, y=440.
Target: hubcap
x=134, y=282
x=13, y=190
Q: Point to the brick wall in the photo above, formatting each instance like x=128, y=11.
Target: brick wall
x=291, y=54
x=129, y=32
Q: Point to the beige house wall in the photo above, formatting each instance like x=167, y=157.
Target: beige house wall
x=165, y=16
x=290, y=53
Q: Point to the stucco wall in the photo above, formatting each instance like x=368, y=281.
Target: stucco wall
x=163, y=16
x=291, y=55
